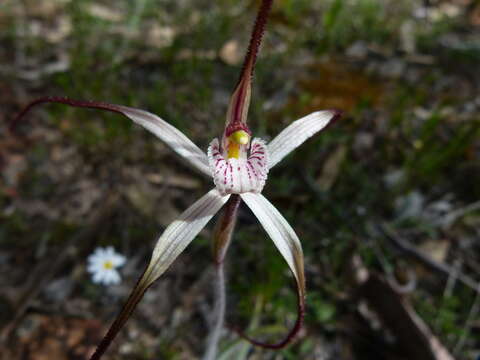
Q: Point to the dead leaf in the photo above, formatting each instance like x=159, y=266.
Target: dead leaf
x=105, y=13
x=160, y=36
x=231, y=53
x=45, y=338
x=436, y=249
x=475, y=16
x=44, y=9
x=331, y=168
x=336, y=85
x=15, y=166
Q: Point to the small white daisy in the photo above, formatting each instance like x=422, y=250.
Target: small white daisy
x=103, y=264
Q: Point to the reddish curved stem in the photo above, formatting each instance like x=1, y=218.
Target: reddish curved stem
x=63, y=100
x=290, y=335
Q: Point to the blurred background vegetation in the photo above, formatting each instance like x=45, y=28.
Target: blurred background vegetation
x=401, y=167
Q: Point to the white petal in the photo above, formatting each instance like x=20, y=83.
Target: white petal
x=98, y=253
x=93, y=268
x=118, y=260
x=180, y=233
x=93, y=259
x=173, y=137
x=297, y=133
x=102, y=252
x=98, y=277
x=106, y=277
x=281, y=233
x=95, y=262
x=112, y=277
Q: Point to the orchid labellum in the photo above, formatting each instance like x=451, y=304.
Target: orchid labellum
x=238, y=165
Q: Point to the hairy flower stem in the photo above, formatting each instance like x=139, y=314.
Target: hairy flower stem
x=256, y=39
x=240, y=100
x=222, y=238
x=236, y=114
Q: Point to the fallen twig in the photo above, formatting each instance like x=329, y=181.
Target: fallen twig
x=410, y=331
x=472, y=316
x=443, y=269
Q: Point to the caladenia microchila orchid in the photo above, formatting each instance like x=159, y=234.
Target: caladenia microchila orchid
x=239, y=165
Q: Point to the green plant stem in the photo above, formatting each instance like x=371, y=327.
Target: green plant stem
x=219, y=313
x=222, y=238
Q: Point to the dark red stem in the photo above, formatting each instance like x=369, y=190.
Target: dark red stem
x=66, y=101
x=288, y=338
x=256, y=38
x=240, y=101
x=224, y=228
x=135, y=296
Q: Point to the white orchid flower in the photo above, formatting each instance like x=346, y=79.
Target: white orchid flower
x=237, y=164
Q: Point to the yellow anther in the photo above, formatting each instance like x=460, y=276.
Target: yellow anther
x=237, y=139
x=233, y=150
x=241, y=137
x=108, y=265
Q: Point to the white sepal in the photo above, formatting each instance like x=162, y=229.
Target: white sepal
x=297, y=133
x=281, y=233
x=173, y=137
x=180, y=233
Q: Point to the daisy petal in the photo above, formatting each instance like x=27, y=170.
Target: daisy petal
x=118, y=260
x=112, y=277
x=93, y=268
x=98, y=277
x=297, y=133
